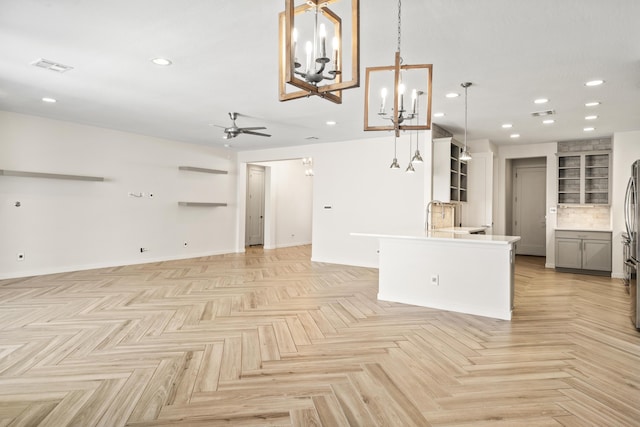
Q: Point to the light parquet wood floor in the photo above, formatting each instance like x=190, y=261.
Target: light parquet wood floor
x=270, y=338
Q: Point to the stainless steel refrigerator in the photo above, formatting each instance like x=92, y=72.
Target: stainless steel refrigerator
x=631, y=219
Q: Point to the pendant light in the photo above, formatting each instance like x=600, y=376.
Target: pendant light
x=327, y=61
x=410, y=168
x=465, y=155
x=395, y=164
x=417, y=158
x=394, y=80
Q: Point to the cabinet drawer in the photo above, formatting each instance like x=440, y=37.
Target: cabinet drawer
x=591, y=235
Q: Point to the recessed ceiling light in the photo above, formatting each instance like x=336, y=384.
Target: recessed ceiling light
x=541, y=101
x=514, y=135
x=331, y=123
x=590, y=117
x=161, y=61
x=548, y=121
x=594, y=83
x=507, y=126
x=589, y=129
x=592, y=104
x=438, y=114
x=452, y=95
x=49, y=100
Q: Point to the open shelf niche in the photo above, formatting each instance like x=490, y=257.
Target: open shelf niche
x=204, y=170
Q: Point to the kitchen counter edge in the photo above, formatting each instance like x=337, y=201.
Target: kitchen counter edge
x=445, y=236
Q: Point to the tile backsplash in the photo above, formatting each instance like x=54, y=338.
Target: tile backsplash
x=442, y=215
x=597, y=217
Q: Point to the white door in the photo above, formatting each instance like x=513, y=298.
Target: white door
x=529, y=210
x=255, y=206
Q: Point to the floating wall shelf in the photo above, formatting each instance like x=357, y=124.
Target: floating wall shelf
x=50, y=175
x=196, y=169
x=201, y=204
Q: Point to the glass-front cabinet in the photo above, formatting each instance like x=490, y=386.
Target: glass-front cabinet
x=584, y=178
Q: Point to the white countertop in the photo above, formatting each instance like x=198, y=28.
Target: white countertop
x=608, y=230
x=461, y=230
x=443, y=235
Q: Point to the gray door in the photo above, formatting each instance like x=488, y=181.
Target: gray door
x=529, y=210
x=255, y=206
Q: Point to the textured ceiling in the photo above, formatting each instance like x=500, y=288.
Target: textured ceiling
x=225, y=59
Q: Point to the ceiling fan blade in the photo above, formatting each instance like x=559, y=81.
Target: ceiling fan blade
x=253, y=133
x=253, y=128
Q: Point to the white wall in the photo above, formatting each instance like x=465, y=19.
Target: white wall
x=626, y=150
x=66, y=225
x=354, y=179
x=547, y=150
x=290, y=202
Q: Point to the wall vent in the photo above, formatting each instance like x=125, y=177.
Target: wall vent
x=543, y=113
x=51, y=65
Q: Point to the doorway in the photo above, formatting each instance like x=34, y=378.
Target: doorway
x=529, y=203
x=255, y=206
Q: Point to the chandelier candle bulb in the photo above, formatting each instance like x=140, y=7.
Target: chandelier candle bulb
x=383, y=95
x=323, y=38
x=336, y=43
x=401, y=92
x=295, y=46
x=414, y=99
x=309, y=50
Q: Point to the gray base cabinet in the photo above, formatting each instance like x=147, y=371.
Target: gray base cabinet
x=583, y=251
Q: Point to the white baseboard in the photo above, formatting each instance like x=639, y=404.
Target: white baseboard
x=94, y=266
x=291, y=244
x=344, y=262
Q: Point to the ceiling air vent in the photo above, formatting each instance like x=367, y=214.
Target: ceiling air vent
x=543, y=113
x=51, y=65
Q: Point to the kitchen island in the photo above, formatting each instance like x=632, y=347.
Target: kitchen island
x=466, y=273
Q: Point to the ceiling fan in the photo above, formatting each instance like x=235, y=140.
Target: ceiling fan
x=234, y=130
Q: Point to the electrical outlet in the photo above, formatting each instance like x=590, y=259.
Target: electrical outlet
x=20, y=256
x=435, y=280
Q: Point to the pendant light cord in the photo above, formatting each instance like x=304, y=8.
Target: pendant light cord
x=465, y=116
x=465, y=152
x=395, y=147
x=399, y=22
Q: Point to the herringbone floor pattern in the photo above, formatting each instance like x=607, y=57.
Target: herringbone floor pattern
x=270, y=338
